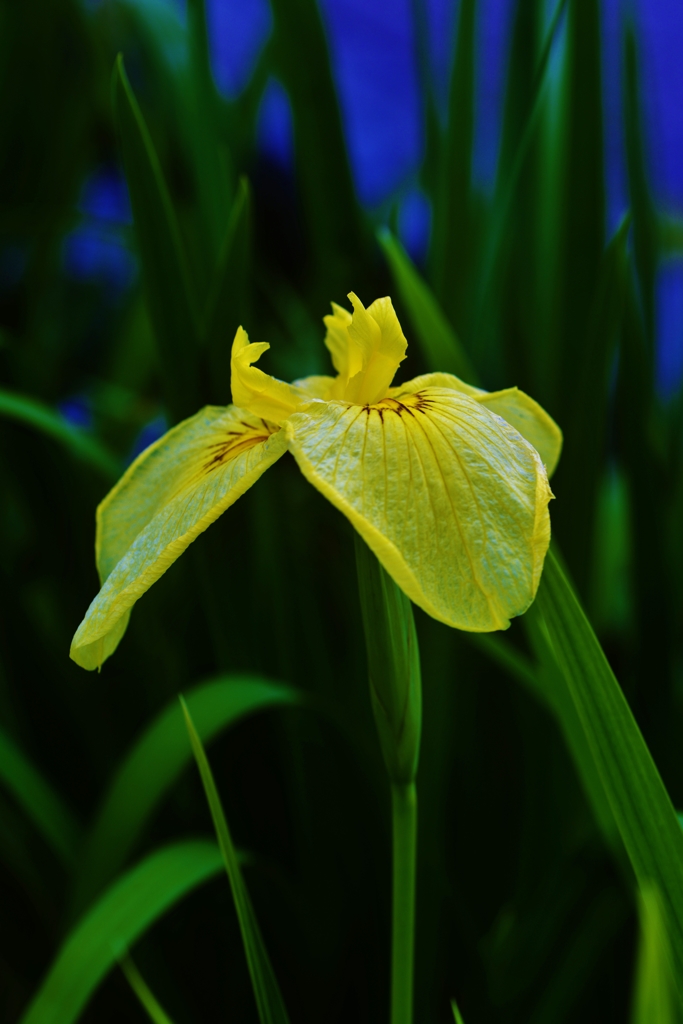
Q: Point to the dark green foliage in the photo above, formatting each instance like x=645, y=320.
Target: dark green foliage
x=546, y=787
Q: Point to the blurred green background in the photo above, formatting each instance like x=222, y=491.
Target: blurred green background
x=509, y=173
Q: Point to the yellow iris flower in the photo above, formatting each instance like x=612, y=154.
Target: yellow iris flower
x=446, y=483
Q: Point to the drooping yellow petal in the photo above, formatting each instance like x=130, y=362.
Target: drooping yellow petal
x=171, y=494
x=531, y=420
x=256, y=391
x=521, y=411
x=452, y=500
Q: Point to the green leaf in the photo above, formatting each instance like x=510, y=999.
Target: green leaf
x=40, y=416
x=457, y=1016
x=670, y=235
x=646, y=820
x=331, y=212
x=453, y=234
x=171, y=303
x=199, y=106
x=155, y=762
x=509, y=293
x=581, y=238
x=654, y=995
x=441, y=346
x=578, y=476
x=269, y=1002
x=148, y=1000
x=227, y=305
x=40, y=802
x=645, y=225
x=115, y=922
x=557, y=695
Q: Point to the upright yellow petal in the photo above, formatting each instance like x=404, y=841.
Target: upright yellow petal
x=366, y=348
x=521, y=411
x=346, y=356
x=452, y=500
x=316, y=387
x=256, y=391
x=378, y=335
x=171, y=493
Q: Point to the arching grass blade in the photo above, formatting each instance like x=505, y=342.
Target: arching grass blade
x=457, y=1016
x=643, y=812
x=40, y=802
x=269, y=1002
x=654, y=995
x=153, y=765
x=41, y=417
x=148, y=1000
x=133, y=903
x=227, y=304
x=167, y=281
x=441, y=346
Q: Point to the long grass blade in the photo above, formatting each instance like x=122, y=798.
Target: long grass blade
x=41, y=417
x=457, y=1016
x=583, y=459
x=506, y=193
x=440, y=344
x=560, y=700
x=581, y=238
x=269, y=1002
x=170, y=299
x=453, y=220
x=146, y=997
x=645, y=817
x=227, y=305
x=133, y=903
x=302, y=62
x=155, y=762
x=199, y=106
x=41, y=803
x=645, y=226
x=654, y=995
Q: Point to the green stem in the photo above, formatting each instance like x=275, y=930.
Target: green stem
x=396, y=696
x=404, y=815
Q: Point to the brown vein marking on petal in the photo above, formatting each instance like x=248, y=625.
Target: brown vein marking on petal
x=231, y=444
x=234, y=443
x=408, y=405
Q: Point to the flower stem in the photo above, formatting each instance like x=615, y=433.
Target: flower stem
x=404, y=816
x=396, y=696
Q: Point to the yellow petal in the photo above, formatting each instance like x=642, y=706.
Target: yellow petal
x=170, y=495
x=377, y=333
x=521, y=411
x=531, y=420
x=346, y=356
x=316, y=387
x=452, y=500
x=256, y=391
x=366, y=350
